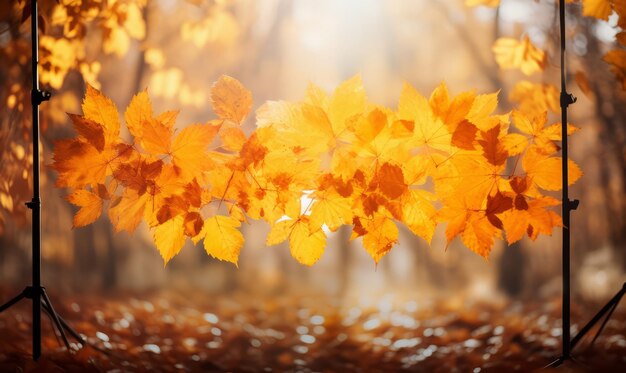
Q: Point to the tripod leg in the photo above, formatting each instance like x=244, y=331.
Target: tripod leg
x=555, y=363
x=13, y=301
x=73, y=332
x=36, y=325
x=47, y=306
x=63, y=325
x=607, y=308
x=606, y=320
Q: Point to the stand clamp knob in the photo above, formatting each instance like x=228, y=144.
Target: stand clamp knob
x=567, y=99
x=33, y=203
x=573, y=204
x=38, y=96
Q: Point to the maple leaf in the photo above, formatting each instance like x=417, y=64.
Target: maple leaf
x=543, y=138
x=90, y=207
x=347, y=100
x=188, y=150
x=126, y=211
x=79, y=163
x=139, y=111
x=514, y=54
x=535, y=98
x=545, y=172
x=100, y=109
x=480, y=113
x=466, y=218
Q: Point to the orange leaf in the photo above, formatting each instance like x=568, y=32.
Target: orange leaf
x=90, y=207
x=230, y=99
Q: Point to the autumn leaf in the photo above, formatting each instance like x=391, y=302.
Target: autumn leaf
x=381, y=234
x=306, y=240
x=514, y=54
x=126, y=211
x=600, y=9
x=230, y=99
x=545, y=171
x=222, y=239
x=90, y=207
x=169, y=237
x=89, y=130
x=543, y=138
x=189, y=149
x=139, y=111
x=535, y=98
x=489, y=3
x=102, y=110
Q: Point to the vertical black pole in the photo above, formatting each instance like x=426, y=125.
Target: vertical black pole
x=35, y=204
x=565, y=100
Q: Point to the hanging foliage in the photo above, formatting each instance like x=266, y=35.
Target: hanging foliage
x=315, y=165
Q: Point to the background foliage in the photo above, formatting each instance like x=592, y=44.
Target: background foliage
x=276, y=49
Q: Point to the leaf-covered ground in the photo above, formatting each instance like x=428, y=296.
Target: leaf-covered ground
x=189, y=332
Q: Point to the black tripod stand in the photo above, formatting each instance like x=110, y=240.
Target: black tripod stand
x=36, y=292
x=567, y=207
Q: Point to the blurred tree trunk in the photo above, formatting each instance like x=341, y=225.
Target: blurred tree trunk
x=345, y=259
x=609, y=105
x=86, y=257
x=109, y=280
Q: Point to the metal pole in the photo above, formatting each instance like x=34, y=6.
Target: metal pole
x=565, y=100
x=35, y=204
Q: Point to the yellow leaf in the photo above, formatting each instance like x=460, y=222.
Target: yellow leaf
x=535, y=98
x=489, y=3
x=222, y=238
x=418, y=213
x=189, y=150
x=280, y=232
x=546, y=171
x=600, y=9
x=169, y=237
x=330, y=209
x=481, y=110
x=514, y=54
x=411, y=103
x=138, y=111
x=306, y=246
x=381, y=235
x=347, y=101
